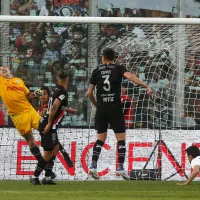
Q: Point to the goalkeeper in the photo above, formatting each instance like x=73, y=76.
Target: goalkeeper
x=193, y=154
x=16, y=97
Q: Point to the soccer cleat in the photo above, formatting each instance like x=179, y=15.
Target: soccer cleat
x=53, y=175
x=68, y=160
x=35, y=181
x=93, y=172
x=48, y=182
x=123, y=174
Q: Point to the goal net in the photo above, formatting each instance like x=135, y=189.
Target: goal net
x=163, y=53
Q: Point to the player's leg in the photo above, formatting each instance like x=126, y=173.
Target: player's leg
x=41, y=165
x=101, y=126
x=35, y=123
x=66, y=156
x=49, y=167
x=48, y=146
x=32, y=145
x=22, y=123
x=96, y=153
x=117, y=123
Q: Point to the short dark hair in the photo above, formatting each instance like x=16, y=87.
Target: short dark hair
x=62, y=74
x=109, y=54
x=193, y=151
x=46, y=89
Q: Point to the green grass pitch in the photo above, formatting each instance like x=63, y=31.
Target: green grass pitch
x=99, y=190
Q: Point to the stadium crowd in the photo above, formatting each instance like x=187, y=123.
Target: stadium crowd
x=39, y=50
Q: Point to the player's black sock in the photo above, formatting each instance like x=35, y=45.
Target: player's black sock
x=121, y=149
x=49, y=167
x=96, y=151
x=40, y=167
x=36, y=152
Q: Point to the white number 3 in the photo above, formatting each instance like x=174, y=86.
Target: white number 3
x=107, y=82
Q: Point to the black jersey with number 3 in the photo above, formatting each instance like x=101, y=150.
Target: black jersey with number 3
x=60, y=93
x=107, y=79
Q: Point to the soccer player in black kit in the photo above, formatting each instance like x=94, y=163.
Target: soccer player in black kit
x=107, y=79
x=48, y=129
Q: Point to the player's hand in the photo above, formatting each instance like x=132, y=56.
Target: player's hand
x=71, y=111
x=149, y=91
x=182, y=183
x=38, y=93
x=47, y=128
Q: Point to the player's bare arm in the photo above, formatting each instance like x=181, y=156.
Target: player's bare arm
x=133, y=78
x=52, y=113
x=36, y=94
x=30, y=96
x=195, y=172
x=90, y=93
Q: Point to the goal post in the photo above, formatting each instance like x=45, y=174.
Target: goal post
x=163, y=52
x=99, y=20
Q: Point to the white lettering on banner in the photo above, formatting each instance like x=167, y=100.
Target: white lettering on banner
x=18, y=163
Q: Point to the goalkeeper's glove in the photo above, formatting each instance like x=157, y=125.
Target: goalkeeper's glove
x=37, y=93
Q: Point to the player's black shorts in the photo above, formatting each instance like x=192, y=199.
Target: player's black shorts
x=109, y=114
x=48, y=140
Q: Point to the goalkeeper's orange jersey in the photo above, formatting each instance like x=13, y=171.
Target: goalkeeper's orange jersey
x=13, y=93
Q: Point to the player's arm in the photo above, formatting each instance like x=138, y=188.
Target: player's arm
x=192, y=176
x=31, y=95
x=90, y=93
x=133, y=78
x=52, y=113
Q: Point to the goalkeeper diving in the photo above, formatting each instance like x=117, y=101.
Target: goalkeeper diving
x=16, y=98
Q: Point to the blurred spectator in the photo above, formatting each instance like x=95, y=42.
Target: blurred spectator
x=23, y=7
x=39, y=50
x=128, y=105
x=35, y=64
x=47, y=9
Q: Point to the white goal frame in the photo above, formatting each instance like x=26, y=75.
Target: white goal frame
x=101, y=20
x=115, y=20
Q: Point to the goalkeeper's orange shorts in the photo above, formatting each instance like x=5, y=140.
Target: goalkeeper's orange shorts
x=26, y=121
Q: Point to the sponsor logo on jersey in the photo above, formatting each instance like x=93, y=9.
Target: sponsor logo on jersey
x=14, y=88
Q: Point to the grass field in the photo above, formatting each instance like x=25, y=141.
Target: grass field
x=99, y=190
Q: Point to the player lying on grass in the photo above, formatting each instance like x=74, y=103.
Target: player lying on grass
x=107, y=79
x=42, y=110
x=16, y=97
x=193, y=154
x=48, y=128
